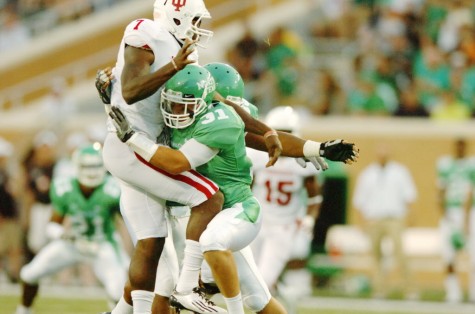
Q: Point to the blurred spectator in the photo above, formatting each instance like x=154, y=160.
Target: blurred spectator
x=39, y=166
x=449, y=108
x=409, y=104
x=383, y=193
x=431, y=73
x=13, y=33
x=329, y=96
x=454, y=188
x=58, y=106
x=243, y=56
x=11, y=253
x=458, y=16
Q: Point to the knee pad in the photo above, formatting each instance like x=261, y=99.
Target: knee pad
x=255, y=303
x=27, y=277
x=209, y=242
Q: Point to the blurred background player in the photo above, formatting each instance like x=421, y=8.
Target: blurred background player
x=39, y=165
x=11, y=251
x=383, y=194
x=81, y=229
x=454, y=187
x=290, y=198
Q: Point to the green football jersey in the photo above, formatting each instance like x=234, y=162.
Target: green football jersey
x=92, y=217
x=250, y=108
x=455, y=176
x=220, y=127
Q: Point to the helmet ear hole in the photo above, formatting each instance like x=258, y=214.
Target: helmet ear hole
x=177, y=22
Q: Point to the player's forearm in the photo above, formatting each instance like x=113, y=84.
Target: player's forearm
x=251, y=124
x=170, y=160
x=160, y=156
x=292, y=146
x=137, y=81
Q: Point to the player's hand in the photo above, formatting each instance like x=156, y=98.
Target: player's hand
x=183, y=58
x=318, y=162
x=103, y=82
x=123, y=130
x=339, y=150
x=274, y=148
x=307, y=224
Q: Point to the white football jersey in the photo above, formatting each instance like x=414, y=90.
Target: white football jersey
x=280, y=189
x=144, y=115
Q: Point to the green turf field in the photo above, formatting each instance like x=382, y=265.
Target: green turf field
x=49, y=305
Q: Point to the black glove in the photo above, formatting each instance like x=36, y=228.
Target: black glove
x=123, y=130
x=339, y=150
x=103, y=86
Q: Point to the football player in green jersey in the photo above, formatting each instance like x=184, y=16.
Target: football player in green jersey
x=210, y=138
x=90, y=201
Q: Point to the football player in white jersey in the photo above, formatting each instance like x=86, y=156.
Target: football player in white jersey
x=290, y=198
x=90, y=202
x=149, y=55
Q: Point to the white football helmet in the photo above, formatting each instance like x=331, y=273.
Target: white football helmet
x=178, y=16
x=90, y=165
x=283, y=118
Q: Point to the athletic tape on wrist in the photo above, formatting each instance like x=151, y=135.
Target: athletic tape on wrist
x=143, y=146
x=270, y=133
x=311, y=149
x=318, y=199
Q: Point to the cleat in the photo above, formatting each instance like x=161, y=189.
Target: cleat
x=209, y=289
x=196, y=302
x=105, y=313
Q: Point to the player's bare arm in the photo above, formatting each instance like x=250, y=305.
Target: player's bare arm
x=168, y=159
x=293, y=146
x=271, y=141
x=137, y=81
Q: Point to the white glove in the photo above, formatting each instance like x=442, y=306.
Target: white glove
x=318, y=162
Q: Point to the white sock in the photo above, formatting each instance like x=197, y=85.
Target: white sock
x=234, y=304
x=21, y=309
x=142, y=300
x=191, y=267
x=122, y=307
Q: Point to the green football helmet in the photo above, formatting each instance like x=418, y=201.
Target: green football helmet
x=186, y=95
x=89, y=165
x=229, y=82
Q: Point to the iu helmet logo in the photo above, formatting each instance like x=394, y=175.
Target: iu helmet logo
x=178, y=4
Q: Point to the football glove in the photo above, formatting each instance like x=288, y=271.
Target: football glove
x=339, y=150
x=123, y=130
x=318, y=162
x=335, y=150
x=103, y=85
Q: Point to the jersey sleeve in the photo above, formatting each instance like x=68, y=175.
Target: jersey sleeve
x=219, y=127
x=250, y=108
x=139, y=33
x=443, y=167
x=59, y=191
